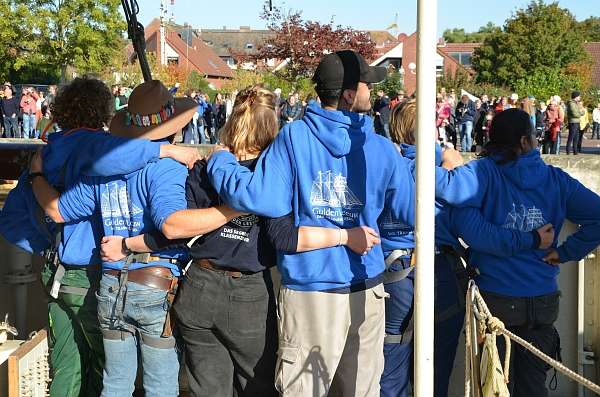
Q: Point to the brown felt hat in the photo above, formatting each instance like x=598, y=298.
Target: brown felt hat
x=152, y=113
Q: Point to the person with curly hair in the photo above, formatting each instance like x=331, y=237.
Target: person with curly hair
x=82, y=109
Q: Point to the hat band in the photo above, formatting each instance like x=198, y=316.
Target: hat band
x=148, y=120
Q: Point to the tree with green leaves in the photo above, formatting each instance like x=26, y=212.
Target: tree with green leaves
x=590, y=29
x=18, y=43
x=392, y=84
x=53, y=36
x=541, y=38
x=457, y=35
x=83, y=34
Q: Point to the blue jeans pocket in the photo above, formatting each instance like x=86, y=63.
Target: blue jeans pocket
x=149, y=311
x=106, y=305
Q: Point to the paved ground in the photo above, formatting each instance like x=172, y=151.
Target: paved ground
x=588, y=146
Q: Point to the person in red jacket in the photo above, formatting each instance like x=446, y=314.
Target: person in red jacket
x=29, y=108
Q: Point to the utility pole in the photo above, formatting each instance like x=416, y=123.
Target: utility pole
x=163, y=44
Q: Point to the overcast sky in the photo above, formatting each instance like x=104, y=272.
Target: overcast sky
x=360, y=14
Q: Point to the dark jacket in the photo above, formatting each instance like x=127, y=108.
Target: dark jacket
x=465, y=112
x=478, y=124
x=294, y=112
x=382, y=106
x=220, y=112
x=11, y=106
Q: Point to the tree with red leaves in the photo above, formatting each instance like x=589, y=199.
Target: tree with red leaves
x=303, y=43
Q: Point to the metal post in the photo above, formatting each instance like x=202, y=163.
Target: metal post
x=580, y=324
x=425, y=219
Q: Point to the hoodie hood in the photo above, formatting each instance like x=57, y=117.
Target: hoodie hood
x=528, y=172
x=341, y=132
x=410, y=152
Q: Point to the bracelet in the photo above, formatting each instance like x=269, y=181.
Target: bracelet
x=125, y=248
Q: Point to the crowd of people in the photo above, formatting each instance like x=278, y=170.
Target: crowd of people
x=466, y=122
x=26, y=116
x=151, y=251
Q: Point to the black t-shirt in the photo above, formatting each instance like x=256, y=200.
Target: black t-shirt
x=11, y=106
x=247, y=243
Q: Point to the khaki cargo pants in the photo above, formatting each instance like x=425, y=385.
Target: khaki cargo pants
x=330, y=344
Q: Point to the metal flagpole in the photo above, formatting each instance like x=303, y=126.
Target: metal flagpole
x=425, y=176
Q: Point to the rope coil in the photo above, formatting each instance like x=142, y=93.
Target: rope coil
x=476, y=307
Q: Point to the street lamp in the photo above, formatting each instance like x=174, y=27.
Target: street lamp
x=412, y=68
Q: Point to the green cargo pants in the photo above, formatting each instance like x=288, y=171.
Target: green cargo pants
x=77, y=352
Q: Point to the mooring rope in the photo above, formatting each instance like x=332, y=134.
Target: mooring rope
x=487, y=320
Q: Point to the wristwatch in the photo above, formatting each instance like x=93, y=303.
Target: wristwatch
x=34, y=175
x=126, y=250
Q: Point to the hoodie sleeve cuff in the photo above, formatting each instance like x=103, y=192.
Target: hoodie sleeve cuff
x=562, y=254
x=536, y=240
x=221, y=157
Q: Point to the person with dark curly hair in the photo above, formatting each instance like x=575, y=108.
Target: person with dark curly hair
x=82, y=109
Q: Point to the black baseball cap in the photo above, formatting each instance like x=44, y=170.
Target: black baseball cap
x=345, y=69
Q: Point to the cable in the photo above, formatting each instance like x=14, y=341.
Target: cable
x=135, y=32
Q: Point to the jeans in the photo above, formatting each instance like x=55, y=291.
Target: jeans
x=398, y=364
x=76, y=355
x=190, y=134
x=466, y=141
x=229, y=330
x=28, y=126
x=573, y=137
x=557, y=145
x=596, y=130
x=140, y=313
x=11, y=127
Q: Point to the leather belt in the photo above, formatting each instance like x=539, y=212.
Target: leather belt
x=154, y=276
x=206, y=264
x=147, y=258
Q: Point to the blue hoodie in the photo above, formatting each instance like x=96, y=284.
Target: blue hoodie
x=332, y=170
x=450, y=223
x=129, y=205
x=524, y=195
x=104, y=155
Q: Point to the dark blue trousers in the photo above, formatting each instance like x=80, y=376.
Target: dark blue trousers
x=449, y=315
x=398, y=367
x=449, y=318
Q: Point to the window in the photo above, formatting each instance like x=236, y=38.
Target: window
x=249, y=46
x=464, y=58
x=229, y=61
x=439, y=71
x=172, y=61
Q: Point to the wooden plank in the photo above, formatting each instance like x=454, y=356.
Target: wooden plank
x=14, y=381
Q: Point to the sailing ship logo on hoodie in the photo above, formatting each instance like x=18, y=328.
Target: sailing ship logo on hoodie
x=117, y=208
x=332, y=191
x=394, y=227
x=524, y=219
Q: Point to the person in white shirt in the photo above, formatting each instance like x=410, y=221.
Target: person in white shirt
x=596, y=122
